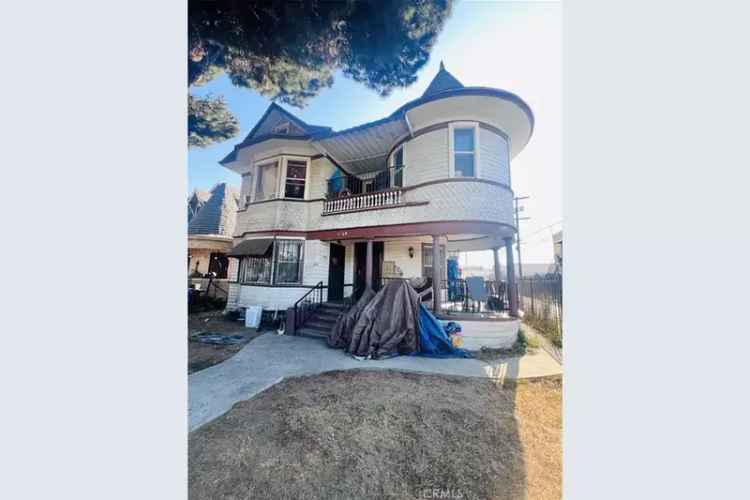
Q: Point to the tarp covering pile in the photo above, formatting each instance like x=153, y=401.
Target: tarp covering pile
x=390, y=323
x=433, y=339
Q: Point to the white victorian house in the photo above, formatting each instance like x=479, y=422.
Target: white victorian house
x=327, y=213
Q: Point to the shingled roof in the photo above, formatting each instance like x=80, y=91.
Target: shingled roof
x=264, y=129
x=196, y=201
x=442, y=81
x=218, y=213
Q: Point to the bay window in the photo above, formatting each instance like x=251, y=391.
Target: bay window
x=296, y=173
x=281, y=264
x=266, y=181
x=257, y=269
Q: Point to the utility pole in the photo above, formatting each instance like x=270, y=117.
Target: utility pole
x=516, y=210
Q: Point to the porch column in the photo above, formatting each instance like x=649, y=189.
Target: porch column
x=512, y=287
x=437, y=273
x=368, y=266
x=498, y=275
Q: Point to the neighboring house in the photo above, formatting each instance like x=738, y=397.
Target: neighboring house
x=211, y=223
x=390, y=198
x=557, y=248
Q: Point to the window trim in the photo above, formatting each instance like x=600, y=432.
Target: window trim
x=282, y=186
x=301, y=261
x=272, y=281
x=255, y=177
x=443, y=251
x=281, y=167
x=452, y=154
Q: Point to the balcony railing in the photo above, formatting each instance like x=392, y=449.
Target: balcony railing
x=367, y=201
x=349, y=193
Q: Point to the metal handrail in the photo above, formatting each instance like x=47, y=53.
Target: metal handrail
x=307, y=303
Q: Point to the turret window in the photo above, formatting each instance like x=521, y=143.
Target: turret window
x=463, y=152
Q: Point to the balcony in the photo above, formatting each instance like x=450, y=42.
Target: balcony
x=353, y=194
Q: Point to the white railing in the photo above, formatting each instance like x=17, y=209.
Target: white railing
x=364, y=201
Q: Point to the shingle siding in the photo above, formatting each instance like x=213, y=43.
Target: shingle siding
x=493, y=155
x=426, y=158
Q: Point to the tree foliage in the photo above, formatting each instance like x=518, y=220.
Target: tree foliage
x=209, y=121
x=288, y=51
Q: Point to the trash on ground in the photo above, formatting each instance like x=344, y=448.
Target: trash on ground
x=253, y=315
x=217, y=338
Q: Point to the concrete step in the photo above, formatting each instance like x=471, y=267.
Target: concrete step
x=310, y=333
x=327, y=315
x=337, y=306
x=322, y=326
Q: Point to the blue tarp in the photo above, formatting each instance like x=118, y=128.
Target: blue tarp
x=433, y=341
x=336, y=182
x=454, y=290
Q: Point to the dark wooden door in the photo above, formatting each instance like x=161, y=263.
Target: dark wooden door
x=336, y=260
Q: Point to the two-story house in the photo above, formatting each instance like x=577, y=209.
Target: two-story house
x=338, y=210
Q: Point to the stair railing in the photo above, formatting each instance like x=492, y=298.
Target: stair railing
x=307, y=304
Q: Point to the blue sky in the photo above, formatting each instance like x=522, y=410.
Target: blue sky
x=509, y=45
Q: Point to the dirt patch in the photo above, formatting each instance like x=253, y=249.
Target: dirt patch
x=383, y=434
x=201, y=356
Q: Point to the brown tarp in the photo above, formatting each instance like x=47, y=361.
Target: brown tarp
x=341, y=335
x=383, y=325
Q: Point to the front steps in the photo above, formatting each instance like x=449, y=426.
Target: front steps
x=321, y=322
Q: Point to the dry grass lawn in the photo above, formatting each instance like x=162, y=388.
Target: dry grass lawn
x=384, y=434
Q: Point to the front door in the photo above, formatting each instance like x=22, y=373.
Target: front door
x=336, y=272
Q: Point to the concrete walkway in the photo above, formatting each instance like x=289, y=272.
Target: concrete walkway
x=270, y=358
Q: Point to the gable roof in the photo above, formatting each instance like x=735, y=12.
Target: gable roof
x=442, y=81
x=265, y=129
x=217, y=216
x=366, y=147
x=196, y=201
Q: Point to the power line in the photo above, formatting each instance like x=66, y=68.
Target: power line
x=517, y=209
x=546, y=227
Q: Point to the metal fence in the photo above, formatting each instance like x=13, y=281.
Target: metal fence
x=542, y=304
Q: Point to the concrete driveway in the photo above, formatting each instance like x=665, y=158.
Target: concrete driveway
x=270, y=358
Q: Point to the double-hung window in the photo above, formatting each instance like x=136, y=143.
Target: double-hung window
x=296, y=172
x=464, y=151
x=266, y=181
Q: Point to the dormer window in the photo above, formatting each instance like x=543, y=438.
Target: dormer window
x=282, y=128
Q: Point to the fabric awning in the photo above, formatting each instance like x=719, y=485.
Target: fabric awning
x=254, y=248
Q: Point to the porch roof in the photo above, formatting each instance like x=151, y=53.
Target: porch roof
x=365, y=148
